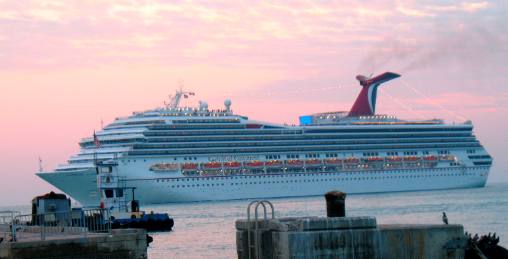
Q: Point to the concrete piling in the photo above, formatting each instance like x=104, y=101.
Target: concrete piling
x=335, y=204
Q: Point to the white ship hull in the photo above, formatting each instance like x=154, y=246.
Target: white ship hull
x=80, y=185
x=186, y=154
x=191, y=189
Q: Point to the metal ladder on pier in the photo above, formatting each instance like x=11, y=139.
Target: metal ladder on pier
x=256, y=228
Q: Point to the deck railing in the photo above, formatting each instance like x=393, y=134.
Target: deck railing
x=74, y=222
x=6, y=218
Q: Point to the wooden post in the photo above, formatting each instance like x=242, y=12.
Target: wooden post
x=335, y=204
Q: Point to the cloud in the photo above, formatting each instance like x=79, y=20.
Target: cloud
x=226, y=32
x=466, y=41
x=414, y=12
x=307, y=36
x=472, y=7
x=459, y=7
x=434, y=10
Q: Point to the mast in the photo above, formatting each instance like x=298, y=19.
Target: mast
x=174, y=100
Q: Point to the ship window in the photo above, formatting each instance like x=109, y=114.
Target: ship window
x=119, y=193
x=108, y=169
x=108, y=193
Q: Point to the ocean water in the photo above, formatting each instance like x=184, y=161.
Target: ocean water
x=207, y=229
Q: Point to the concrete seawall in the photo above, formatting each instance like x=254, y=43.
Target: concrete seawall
x=346, y=237
x=121, y=243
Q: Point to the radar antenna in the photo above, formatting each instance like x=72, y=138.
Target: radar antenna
x=174, y=100
x=40, y=165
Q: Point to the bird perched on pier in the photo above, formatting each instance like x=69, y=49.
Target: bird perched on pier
x=445, y=218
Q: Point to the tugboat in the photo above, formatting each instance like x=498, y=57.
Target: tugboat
x=124, y=212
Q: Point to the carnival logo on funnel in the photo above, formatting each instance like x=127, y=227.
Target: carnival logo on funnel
x=365, y=103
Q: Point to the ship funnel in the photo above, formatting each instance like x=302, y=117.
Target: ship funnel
x=365, y=103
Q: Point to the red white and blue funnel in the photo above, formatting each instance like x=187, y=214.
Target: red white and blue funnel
x=365, y=103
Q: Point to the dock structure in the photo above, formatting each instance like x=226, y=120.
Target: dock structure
x=68, y=234
x=120, y=243
x=343, y=237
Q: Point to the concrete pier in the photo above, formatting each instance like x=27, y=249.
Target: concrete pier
x=337, y=236
x=120, y=243
x=346, y=237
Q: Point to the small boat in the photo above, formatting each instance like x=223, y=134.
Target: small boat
x=313, y=162
x=351, y=160
x=430, y=158
x=212, y=165
x=189, y=166
x=394, y=159
x=125, y=212
x=254, y=164
x=232, y=165
x=273, y=163
x=333, y=161
x=374, y=159
x=294, y=163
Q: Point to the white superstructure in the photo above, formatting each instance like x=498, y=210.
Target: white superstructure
x=182, y=154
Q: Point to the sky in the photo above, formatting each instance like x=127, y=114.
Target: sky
x=65, y=66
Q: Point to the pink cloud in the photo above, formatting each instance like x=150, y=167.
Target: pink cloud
x=65, y=65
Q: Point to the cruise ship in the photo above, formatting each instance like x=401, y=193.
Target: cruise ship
x=187, y=154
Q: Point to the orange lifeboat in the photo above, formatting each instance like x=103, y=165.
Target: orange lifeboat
x=351, y=160
x=189, y=166
x=294, y=163
x=313, y=162
x=233, y=164
x=273, y=163
x=375, y=159
x=394, y=159
x=430, y=158
x=410, y=158
x=254, y=164
x=332, y=161
x=212, y=165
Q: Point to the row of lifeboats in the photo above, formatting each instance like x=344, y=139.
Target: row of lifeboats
x=311, y=162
